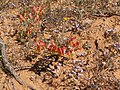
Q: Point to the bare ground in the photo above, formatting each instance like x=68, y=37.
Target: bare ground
x=99, y=60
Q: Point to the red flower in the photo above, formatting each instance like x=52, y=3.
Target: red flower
x=40, y=44
x=35, y=9
x=60, y=51
x=64, y=49
x=49, y=46
x=69, y=52
x=21, y=17
x=73, y=38
x=41, y=8
x=28, y=32
x=52, y=46
x=36, y=18
x=75, y=44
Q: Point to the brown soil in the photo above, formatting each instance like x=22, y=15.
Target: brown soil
x=93, y=33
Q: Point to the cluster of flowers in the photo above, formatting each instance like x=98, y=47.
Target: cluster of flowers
x=52, y=47
x=31, y=18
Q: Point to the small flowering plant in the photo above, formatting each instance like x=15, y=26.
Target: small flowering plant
x=31, y=19
x=68, y=48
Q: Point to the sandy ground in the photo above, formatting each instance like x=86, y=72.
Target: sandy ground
x=94, y=30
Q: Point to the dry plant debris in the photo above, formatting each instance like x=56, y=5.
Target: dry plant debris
x=60, y=44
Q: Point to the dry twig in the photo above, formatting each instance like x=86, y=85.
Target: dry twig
x=10, y=68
